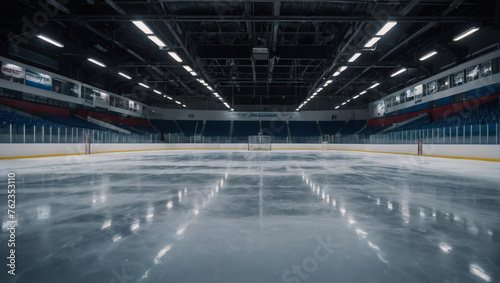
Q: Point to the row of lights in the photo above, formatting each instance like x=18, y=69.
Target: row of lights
x=358, y=95
x=150, y=34
x=215, y=93
x=423, y=58
x=142, y=26
x=388, y=26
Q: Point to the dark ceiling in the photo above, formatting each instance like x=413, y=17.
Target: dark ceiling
x=306, y=42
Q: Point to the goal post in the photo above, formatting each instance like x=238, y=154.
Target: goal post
x=259, y=143
x=87, y=141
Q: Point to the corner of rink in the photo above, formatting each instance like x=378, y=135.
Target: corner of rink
x=456, y=151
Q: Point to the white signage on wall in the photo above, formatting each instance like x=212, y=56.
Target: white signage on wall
x=12, y=73
x=419, y=90
x=263, y=115
x=38, y=80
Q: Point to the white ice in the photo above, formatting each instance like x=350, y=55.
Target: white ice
x=237, y=216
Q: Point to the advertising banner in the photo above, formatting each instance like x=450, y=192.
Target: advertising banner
x=38, y=80
x=12, y=73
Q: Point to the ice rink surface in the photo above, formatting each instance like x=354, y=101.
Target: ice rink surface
x=247, y=217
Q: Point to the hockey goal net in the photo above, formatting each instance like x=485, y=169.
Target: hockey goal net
x=87, y=141
x=259, y=143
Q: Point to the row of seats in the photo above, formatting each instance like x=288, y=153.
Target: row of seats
x=247, y=128
x=483, y=114
x=9, y=117
x=71, y=121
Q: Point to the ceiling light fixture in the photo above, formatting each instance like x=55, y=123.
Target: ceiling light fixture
x=387, y=27
x=354, y=57
x=363, y=92
x=99, y=63
x=466, y=33
x=124, y=75
x=398, y=72
x=337, y=107
x=143, y=85
x=156, y=91
x=175, y=56
x=142, y=26
x=158, y=41
x=374, y=85
x=355, y=96
x=50, y=40
x=178, y=102
x=194, y=74
x=372, y=42
x=169, y=97
x=428, y=55
x=187, y=68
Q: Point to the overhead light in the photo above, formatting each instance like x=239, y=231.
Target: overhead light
x=194, y=74
x=348, y=100
x=187, y=68
x=142, y=26
x=124, y=75
x=337, y=107
x=319, y=89
x=344, y=103
x=363, y=92
x=342, y=68
x=336, y=73
x=50, y=40
x=232, y=109
x=96, y=62
x=209, y=88
x=220, y=98
x=143, y=85
x=216, y=94
x=164, y=96
x=297, y=109
x=178, y=102
x=354, y=57
x=158, y=41
x=169, y=97
x=466, y=33
x=398, y=72
x=329, y=81
x=387, y=27
x=184, y=105
x=309, y=99
x=428, y=55
x=374, y=85
x=355, y=97
x=372, y=42
x=175, y=56
x=156, y=91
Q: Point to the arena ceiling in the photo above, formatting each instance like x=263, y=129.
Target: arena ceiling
x=272, y=54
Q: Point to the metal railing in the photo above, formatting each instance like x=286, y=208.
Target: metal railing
x=43, y=134
x=470, y=134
